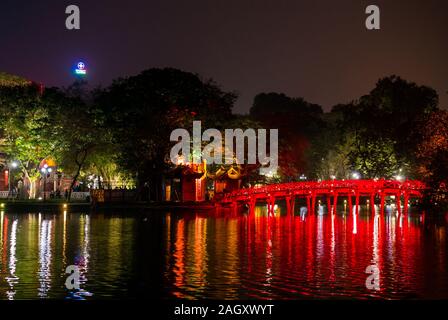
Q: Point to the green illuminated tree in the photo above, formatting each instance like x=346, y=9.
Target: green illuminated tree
x=77, y=132
x=383, y=126
x=24, y=122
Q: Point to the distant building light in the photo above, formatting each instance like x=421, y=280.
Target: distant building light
x=81, y=69
x=81, y=72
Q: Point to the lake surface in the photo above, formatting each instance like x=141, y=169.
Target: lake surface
x=193, y=256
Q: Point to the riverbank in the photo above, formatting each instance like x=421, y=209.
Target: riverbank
x=162, y=205
x=60, y=205
x=21, y=206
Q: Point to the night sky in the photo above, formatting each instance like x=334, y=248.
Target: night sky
x=319, y=50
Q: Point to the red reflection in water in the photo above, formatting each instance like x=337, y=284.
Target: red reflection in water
x=298, y=257
x=179, y=255
x=4, y=240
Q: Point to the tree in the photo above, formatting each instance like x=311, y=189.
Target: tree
x=8, y=80
x=328, y=155
x=61, y=124
x=297, y=121
x=432, y=155
x=335, y=163
x=24, y=122
x=103, y=165
x=396, y=108
x=77, y=132
x=383, y=126
x=144, y=109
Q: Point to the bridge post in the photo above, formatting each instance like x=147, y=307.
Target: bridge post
x=372, y=203
x=271, y=204
x=288, y=205
x=308, y=204
x=398, y=202
x=218, y=208
x=313, y=203
x=328, y=203
x=357, y=203
x=382, y=203
x=335, y=202
x=406, y=203
x=350, y=204
x=234, y=208
x=252, y=203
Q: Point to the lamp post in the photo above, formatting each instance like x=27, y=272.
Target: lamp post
x=11, y=166
x=45, y=170
x=356, y=175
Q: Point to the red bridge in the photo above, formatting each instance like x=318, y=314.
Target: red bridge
x=331, y=190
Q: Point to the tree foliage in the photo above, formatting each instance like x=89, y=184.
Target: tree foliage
x=432, y=155
x=144, y=109
x=382, y=127
x=77, y=132
x=24, y=122
x=297, y=121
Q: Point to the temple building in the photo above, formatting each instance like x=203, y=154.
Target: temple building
x=198, y=182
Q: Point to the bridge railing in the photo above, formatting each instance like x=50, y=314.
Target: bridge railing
x=329, y=185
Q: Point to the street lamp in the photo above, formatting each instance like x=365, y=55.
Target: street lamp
x=356, y=175
x=45, y=170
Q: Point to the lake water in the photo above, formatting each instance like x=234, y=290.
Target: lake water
x=193, y=256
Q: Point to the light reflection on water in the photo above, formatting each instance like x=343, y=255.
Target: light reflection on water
x=321, y=256
x=219, y=256
x=35, y=250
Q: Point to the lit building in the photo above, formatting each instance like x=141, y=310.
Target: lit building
x=195, y=183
